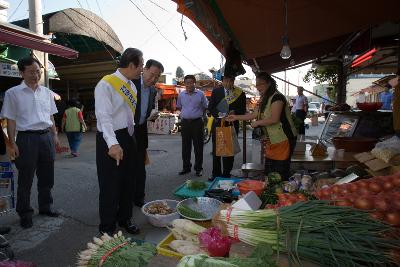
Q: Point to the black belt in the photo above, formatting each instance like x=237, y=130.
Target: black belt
x=190, y=120
x=35, y=131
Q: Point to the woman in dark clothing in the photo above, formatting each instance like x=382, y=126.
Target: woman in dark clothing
x=273, y=117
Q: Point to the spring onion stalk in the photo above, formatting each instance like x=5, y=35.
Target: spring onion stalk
x=314, y=231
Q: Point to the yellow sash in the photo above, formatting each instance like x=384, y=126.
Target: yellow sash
x=124, y=90
x=233, y=95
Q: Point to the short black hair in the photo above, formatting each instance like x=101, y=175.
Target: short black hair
x=27, y=61
x=130, y=55
x=155, y=63
x=189, y=76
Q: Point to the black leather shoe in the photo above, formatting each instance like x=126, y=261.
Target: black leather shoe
x=130, y=227
x=26, y=222
x=199, y=173
x=49, y=213
x=182, y=172
x=139, y=203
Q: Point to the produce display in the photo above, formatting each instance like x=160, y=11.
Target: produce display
x=315, y=231
x=114, y=251
x=261, y=257
x=186, y=240
x=379, y=195
x=160, y=208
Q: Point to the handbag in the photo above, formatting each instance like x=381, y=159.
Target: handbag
x=224, y=141
x=235, y=142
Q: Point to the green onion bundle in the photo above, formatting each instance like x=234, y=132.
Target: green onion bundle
x=317, y=232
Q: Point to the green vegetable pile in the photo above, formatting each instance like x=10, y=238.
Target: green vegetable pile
x=274, y=181
x=188, y=212
x=196, y=185
x=261, y=257
x=317, y=232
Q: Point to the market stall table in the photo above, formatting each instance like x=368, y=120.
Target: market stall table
x=322, y=163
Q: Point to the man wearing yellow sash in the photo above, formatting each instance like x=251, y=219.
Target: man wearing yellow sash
x=115, y=106
x=225, y=100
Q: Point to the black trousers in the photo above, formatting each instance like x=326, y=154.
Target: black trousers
x=140, y=169
x=192, y=131
x=227, y=161
x=301, y=114
x=36, y=154
x=116, y=183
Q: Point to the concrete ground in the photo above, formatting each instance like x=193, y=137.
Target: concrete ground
x=56, y=241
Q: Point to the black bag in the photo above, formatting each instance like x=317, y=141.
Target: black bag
x=257, y=133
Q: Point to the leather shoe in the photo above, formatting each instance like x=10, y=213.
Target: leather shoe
x=49, y=213
x=182, y=172
x=26, y=222
x=199, y=173
x=130, y=227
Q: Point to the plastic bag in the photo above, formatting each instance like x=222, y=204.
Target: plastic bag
x=215, y=243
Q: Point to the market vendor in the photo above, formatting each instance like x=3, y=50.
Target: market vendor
x=278, y=130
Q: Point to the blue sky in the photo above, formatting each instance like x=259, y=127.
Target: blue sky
x=134, y=30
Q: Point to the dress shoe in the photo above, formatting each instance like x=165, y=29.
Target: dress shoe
x=49, y=213
x=130, y=227
x=139, y=203
x=26, y=222
x=182, y=172
x=199, y=173
x=4, y=230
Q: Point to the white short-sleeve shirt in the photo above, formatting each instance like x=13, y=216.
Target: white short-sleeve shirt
x=301, y=101
x=31, y=109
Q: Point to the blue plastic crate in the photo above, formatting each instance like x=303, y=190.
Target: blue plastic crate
x=184, y=192
x=214, y=184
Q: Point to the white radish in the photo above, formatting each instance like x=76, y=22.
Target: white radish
x=98, y=241
x=188, y=226
x=92, y=246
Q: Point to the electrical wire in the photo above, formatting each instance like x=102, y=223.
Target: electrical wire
x=155, y=33
x=15, y=11
x=79, y=3
x=188, y=59
x=98, y=6
x=158, y=6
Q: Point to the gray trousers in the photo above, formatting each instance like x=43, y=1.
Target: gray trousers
x=36, y=154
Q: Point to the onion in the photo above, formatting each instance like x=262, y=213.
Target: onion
x=396, y=182
x=375, y=187
x=335, y=189
x=381, y=204
x=387, y=185
x=362, y=183
x=363, y=203
x=393, y=218
x=353, y=187
x=377, y=215
x=344, y=202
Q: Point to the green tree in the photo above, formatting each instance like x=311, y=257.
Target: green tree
x=179, y=73
x=323, y=74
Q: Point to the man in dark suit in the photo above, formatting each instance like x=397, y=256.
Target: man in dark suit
x=225, y=100
x=146, y=103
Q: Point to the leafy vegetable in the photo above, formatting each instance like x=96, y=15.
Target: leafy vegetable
x=196, y=185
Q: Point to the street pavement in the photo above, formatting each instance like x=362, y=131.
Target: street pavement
x=56, y=241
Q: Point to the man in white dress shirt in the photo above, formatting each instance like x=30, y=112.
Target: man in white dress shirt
x=301, y=109
x=29, y=109
x=115, y=106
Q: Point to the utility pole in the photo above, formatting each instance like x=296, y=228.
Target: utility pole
x=36, y=25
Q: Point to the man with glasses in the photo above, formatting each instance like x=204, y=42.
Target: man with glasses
x=192, y=102
x=146, y=103
x=29, y=109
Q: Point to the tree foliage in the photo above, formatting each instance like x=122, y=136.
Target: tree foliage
x=179, y=72
x=322, y=74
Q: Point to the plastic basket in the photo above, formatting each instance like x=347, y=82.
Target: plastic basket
x=216, y=181
x=163, y=248
x=184, y=192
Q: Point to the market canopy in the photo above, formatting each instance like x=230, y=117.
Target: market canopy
x=315, y=28
x=14, y=35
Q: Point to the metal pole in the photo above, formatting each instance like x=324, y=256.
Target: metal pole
x=244, y=142
x=36, y=25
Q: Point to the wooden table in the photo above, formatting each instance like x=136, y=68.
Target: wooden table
x=325, y=163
